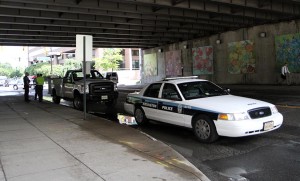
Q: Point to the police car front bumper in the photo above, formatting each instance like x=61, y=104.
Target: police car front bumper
x=248, y=127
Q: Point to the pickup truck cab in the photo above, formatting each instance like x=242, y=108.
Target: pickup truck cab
x=98, y=90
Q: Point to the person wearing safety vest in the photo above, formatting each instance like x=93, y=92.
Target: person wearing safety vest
x=39, y=86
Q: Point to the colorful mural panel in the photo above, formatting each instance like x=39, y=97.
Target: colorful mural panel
x=241, y=57
x=150, y=64
x=173, y=63
x=202, y=60
x=287, y=48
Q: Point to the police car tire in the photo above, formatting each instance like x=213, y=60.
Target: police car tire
x=15, y=87
x=204, y=129
x=139, y=116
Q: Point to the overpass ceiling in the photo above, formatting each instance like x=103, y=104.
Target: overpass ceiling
x=132, y=23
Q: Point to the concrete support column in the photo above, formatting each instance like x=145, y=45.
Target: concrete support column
x=88, y=67
x=55, y=57
x=130, y=59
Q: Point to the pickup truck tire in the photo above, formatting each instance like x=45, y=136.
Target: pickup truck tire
x=77, y=102
x=55, y=98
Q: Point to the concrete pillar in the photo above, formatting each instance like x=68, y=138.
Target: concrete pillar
x=88, y=67
x=130, y=59
x=55, y=57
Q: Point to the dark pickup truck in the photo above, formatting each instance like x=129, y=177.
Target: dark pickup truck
x=71, y=87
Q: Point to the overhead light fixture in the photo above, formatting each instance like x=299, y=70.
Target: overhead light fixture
x=160, y=50
x=218, y=41
x=262, y=34
x=185, y=46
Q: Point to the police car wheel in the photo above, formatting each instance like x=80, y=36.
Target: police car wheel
x=15, y=87
x=204, y=129
x=139, y=116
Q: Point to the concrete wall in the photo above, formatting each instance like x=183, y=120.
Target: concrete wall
x=264, y=48
x=160, y=68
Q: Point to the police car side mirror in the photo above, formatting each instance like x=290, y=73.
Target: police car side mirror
x=176, y=99
x=67, y=80
x=227, y=90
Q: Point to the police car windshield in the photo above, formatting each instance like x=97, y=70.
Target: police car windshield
x=199, y=89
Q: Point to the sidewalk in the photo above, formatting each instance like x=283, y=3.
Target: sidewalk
x=45, y=141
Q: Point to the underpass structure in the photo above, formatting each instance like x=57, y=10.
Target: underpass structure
x=133, y=23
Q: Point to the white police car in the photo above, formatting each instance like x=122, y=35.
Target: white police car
x=203, y=106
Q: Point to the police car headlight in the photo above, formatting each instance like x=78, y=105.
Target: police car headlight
x=274, y=109
x=233, y=116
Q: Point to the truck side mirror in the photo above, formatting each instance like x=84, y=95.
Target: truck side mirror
x=67, y=80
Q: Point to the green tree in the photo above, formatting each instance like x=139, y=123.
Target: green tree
x=5, y=69
x=16, y=73
x=110, y=60
x=58, y=70
x=45, y=69
x=71, y=64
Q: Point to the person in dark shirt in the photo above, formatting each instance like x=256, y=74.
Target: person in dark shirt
x=26, y=87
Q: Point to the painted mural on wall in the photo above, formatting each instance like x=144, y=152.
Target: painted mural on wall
x=150, y=64
x=287, y=48
x=202, y=60
x=173, y=63
x=241, y=57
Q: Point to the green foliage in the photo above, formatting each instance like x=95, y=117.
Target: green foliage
x=45, y=69
x=57, y=70
x=71, y=64
x=110, y=60
x=5, y=69
x=16, y=73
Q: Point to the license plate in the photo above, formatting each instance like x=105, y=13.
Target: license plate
x=105, y=97
x=268, y=125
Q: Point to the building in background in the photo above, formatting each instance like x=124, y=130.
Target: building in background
x=129, y=69
x=48, y=54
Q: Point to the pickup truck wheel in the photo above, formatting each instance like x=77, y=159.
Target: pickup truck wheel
x=55, y=98
x=78, y=103
x=140, y=117
x=204, y=129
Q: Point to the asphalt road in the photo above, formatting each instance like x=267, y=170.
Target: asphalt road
x=271, y=156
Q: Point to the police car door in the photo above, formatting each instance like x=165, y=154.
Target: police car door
x=150, y=101
x=170, y=106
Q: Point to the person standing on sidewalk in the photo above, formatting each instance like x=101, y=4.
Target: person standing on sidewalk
x=34, y=82
x=39, y=86
x=26, y=82
x=285, y=73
